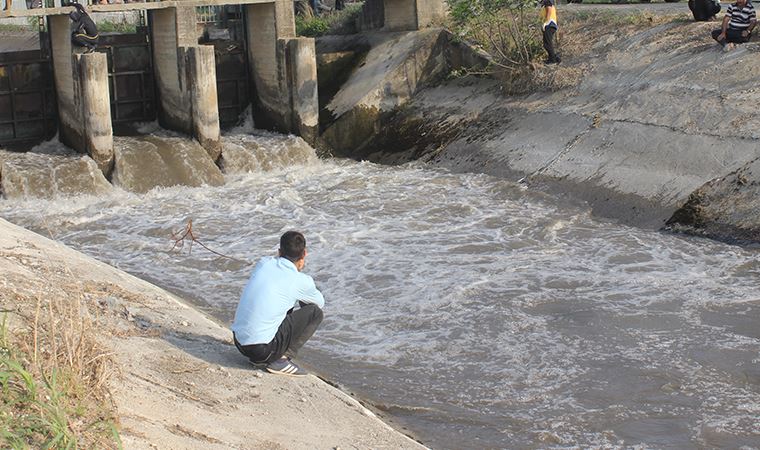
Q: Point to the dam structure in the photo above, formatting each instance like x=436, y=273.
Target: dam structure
x=162, y=72
x=193, y=65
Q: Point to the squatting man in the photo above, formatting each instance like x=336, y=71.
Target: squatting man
x=85, y=32
x=279, y=310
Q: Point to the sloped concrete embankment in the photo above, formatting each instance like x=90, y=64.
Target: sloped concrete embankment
x=726, y=208
x=656, y=115
x=364, y=78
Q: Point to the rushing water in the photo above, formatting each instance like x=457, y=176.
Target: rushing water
x=478, y=314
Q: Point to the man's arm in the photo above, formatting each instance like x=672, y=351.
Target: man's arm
x=78, y=6
x=724, y=26
x=308, y=293
x=752, y=22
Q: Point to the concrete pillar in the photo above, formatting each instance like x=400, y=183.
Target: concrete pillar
x=302, y=79
x=173, y=111
x=84, y=106
x=407, y=15
x=430, y=13
x=185, y=77
x=201, y=70
x=63, y=70
x=269, y=104
x=95, y=104
x=285, y=18
x=284, y=71
x=401, y=15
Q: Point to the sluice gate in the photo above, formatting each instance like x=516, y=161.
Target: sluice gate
x=224, y=27
x=27, y=98
x=193, y=65
x=130, y=76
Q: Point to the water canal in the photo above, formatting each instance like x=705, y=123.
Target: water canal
x=474, y=312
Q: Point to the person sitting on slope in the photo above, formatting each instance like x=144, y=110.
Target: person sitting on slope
x=737, y=26
x=704, y=10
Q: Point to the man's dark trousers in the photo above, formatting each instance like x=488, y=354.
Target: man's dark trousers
x=549, y=33
x=732, y=35
x=704, y=10
x=82, y=40
x=299, y=325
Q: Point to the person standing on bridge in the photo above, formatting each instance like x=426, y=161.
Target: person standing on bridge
x=737, y=26
x=549, y=26
x=85, y=32
x=280, y=309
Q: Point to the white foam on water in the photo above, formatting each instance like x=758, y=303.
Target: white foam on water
x=474, y=306
x=246, y=123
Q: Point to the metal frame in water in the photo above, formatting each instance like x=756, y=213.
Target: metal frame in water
x=130, y=75
x=224, y=28
x=28, y=109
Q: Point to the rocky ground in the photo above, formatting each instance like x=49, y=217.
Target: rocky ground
x=180, y=382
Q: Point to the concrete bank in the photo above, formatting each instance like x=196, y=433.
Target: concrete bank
x=652, y=113
x=181, y=382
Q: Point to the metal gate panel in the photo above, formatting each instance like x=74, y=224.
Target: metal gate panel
x=224, y=28
x=27, y=98
x=130, y=77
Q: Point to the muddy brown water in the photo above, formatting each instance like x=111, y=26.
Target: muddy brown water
x=475, y=313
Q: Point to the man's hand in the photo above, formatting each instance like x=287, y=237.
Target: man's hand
x=745, y=33
x=722, y=36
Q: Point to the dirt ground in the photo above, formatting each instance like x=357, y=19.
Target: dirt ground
x=180, y=383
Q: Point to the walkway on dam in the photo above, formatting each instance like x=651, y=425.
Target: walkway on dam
x=120, y=7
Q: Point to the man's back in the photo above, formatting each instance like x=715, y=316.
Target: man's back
x=274, y=287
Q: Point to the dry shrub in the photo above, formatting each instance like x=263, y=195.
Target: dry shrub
x=53, y=375
x=539, y=77
x=579, y=32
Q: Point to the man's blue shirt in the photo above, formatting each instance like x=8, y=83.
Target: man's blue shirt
x=275, y=286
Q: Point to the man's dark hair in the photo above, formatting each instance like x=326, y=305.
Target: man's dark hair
x=292, y=245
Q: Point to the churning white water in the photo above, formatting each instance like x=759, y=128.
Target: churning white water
x=478, y=314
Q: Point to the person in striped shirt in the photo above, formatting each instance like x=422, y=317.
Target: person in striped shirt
x=738, y=23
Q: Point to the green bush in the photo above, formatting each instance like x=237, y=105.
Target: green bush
x=333, y=22
x=311, y=27
x=509, y=30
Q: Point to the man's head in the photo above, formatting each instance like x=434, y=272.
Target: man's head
x=741, y=3
x=293, y=247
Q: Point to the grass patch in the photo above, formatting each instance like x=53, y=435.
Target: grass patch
x=11, y=27
x=333, y=22
x=108, y=26
x=53, y=376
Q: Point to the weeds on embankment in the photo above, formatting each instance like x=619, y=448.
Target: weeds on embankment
x=332, y=22
x=510, y=32
x=53, y=376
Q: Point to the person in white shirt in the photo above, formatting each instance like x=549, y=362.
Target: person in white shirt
x=280, y=309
